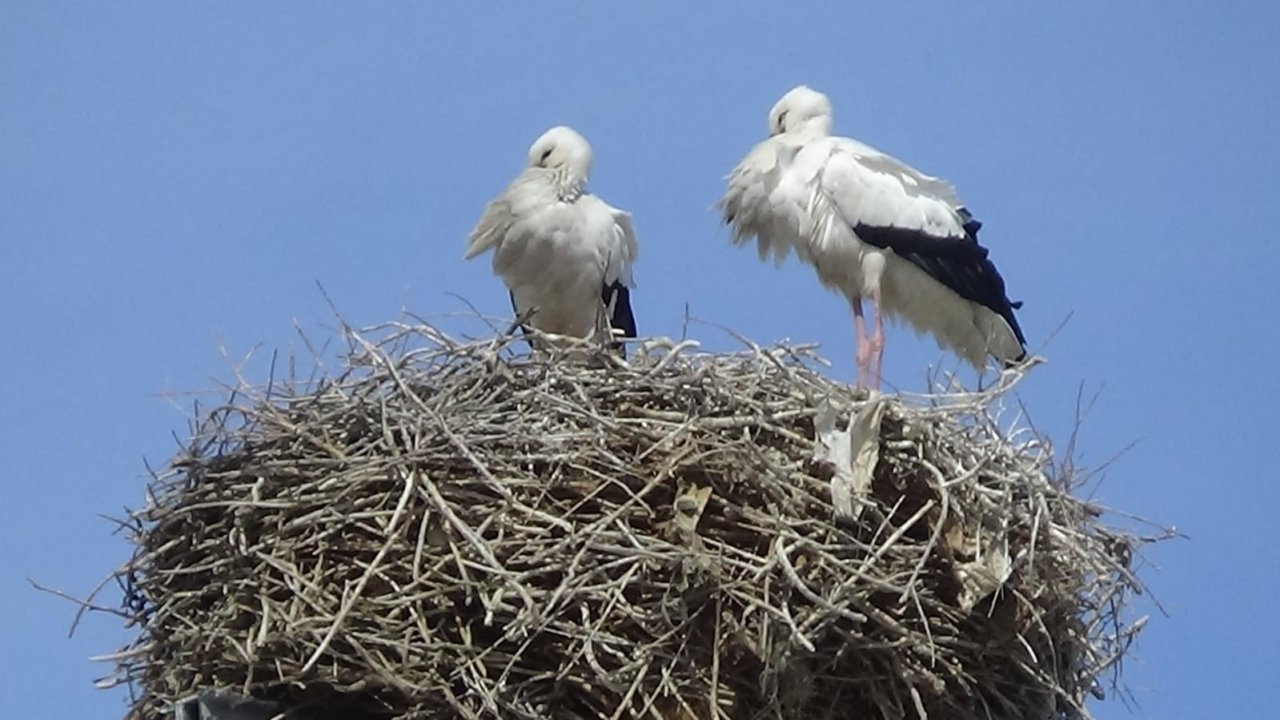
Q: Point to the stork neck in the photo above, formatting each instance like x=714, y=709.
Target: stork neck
x=568, y=184
x=814, y=127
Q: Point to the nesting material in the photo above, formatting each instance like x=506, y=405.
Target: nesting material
x=444, y=529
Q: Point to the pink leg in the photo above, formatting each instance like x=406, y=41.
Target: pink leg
x=877, y=343
x=863, y=354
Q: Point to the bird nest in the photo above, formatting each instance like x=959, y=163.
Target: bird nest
x=449, y=529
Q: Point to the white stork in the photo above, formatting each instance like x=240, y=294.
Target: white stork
x=871, y=226
x=564, y=254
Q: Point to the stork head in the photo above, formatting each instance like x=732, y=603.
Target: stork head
x=564, y=152
x=801, y=110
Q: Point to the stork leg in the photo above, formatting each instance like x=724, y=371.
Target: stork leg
x=863, y=354
x=876, y=342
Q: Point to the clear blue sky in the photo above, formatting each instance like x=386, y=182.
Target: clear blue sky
x=177, y=176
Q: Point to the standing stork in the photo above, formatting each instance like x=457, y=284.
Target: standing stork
x=872, y=227
x=564, y=254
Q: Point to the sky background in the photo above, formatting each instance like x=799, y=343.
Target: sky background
x=175, y=178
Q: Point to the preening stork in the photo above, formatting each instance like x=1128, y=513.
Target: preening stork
x=872, y=227
x=564, y=254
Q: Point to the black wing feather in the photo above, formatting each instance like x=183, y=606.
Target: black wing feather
x=959, y=263
x=618, y=296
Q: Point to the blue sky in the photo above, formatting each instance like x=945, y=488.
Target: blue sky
x=176, y=177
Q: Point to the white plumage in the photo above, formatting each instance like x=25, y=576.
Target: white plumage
x=872, y=227
x=564, y=254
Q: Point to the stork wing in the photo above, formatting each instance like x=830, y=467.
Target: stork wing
x=623, y=251
x=892, y=206
x=507, y=214
x=618, y=279
x=753, y=203
x=491, y=228
x=873, y=189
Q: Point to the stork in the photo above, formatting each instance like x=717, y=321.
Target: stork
x=564, y=254
x=872, y=227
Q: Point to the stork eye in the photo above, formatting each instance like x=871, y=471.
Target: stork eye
x=545, y=154
x=782, y=119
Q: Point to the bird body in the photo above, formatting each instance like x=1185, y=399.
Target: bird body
x=871, y=227
x=564, y=254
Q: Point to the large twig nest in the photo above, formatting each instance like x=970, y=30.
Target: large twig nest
x=442, y=530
